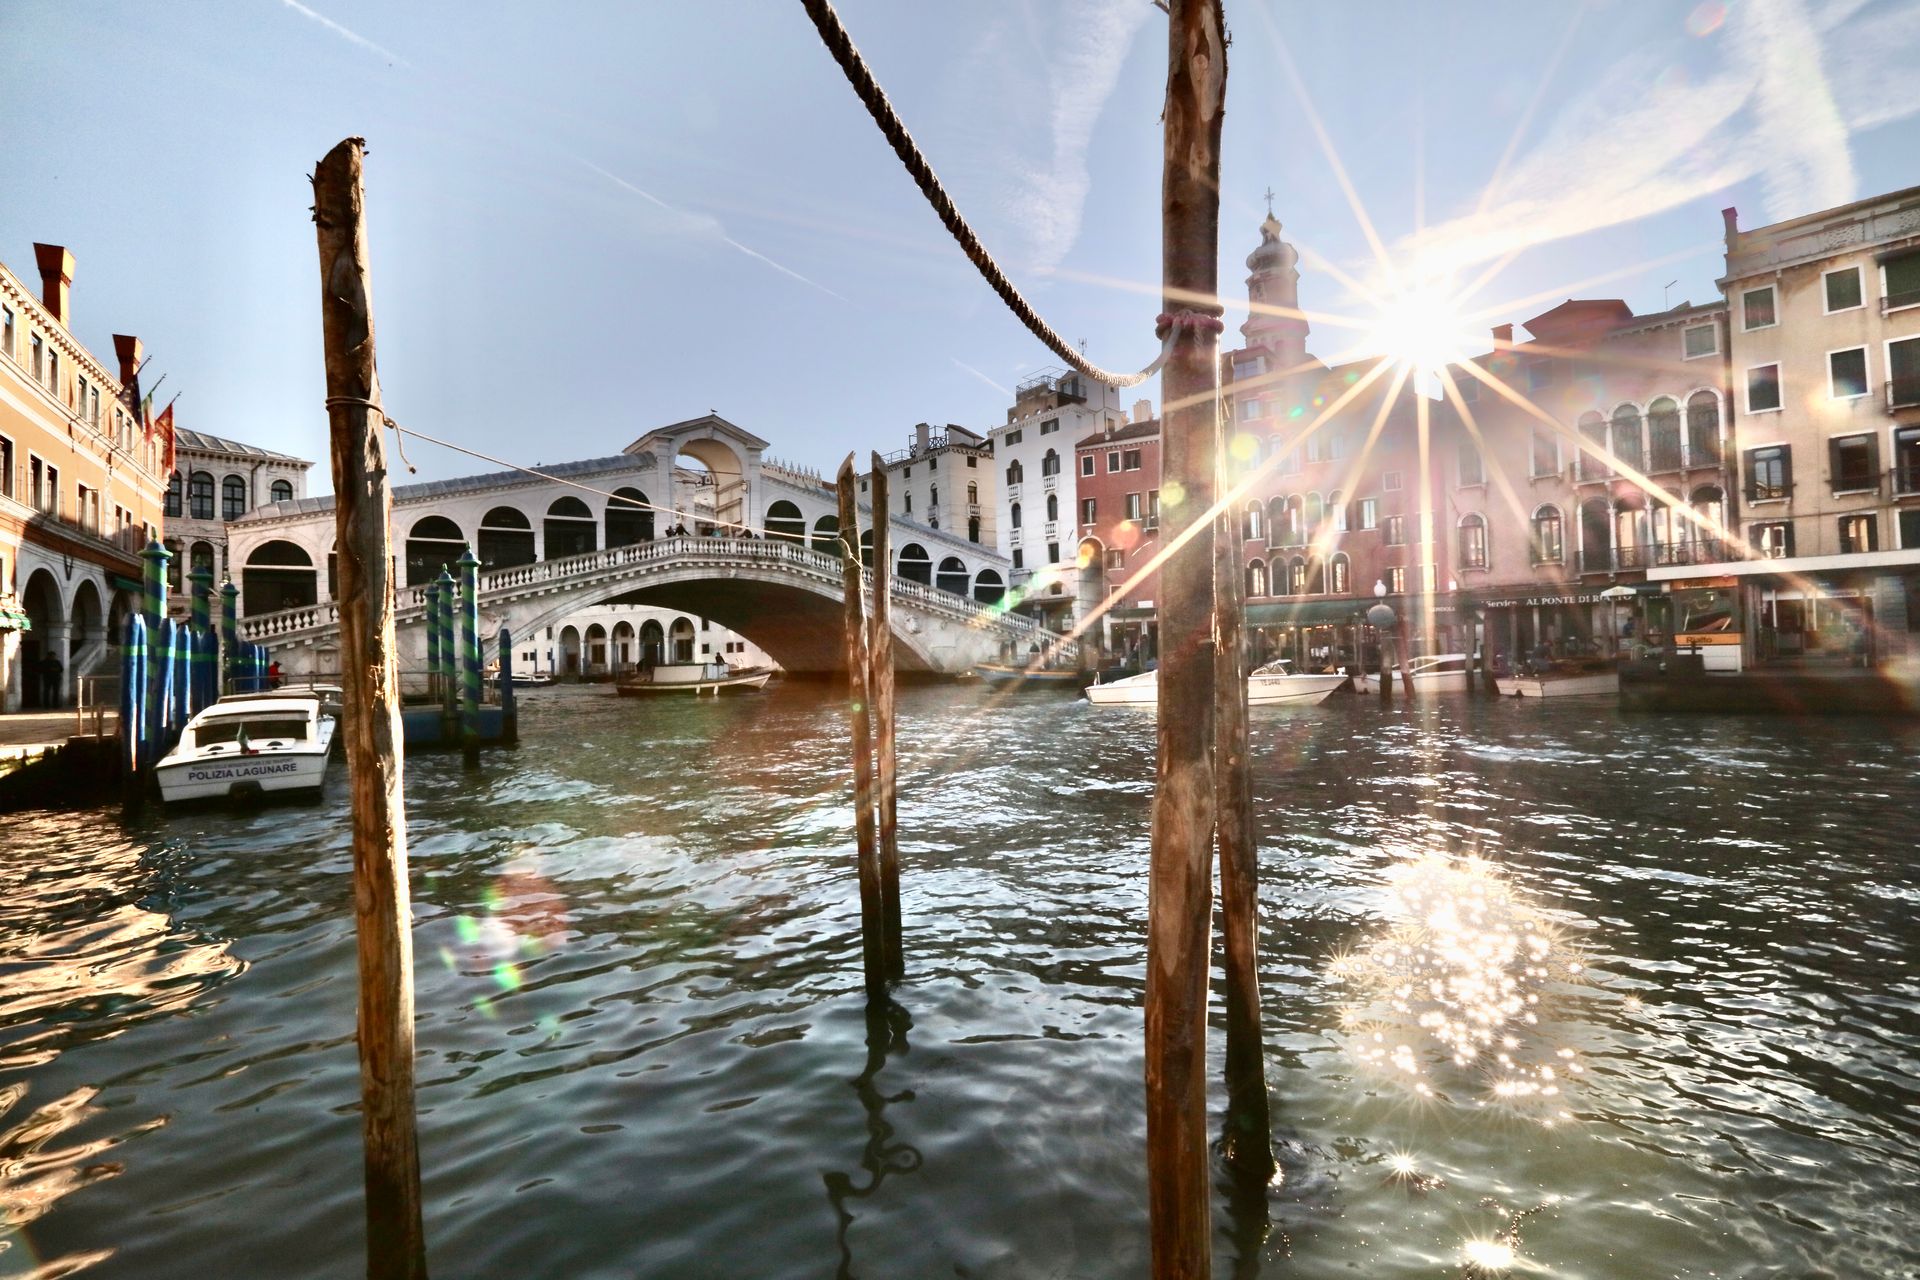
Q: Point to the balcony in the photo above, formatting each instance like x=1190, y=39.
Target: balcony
x=1906, y=479
x=1903, y=393
x=1644, y=555
x=973, y=508
x=1013, y=492
x=1896, y=301
x=1051, y=529
x=1049, y=483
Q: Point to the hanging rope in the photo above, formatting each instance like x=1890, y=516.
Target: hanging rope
x=841, y=46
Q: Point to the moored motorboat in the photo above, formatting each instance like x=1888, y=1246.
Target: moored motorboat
x=1270, y=685
x=1551, y=685
x=1034, y=677
x=271, y=743
x=696, y=678
x=1433, y=673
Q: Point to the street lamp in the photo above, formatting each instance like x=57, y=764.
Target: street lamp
x=1382, y=617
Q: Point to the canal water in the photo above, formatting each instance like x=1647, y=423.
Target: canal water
x=1548, y=989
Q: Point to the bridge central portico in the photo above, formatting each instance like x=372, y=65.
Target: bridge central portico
x=692, y=517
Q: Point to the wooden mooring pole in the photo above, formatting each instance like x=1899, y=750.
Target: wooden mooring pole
x=396, y=1241
x=873, y=946
x=880, y=687
x=1179, y=915
x=1246, y=1134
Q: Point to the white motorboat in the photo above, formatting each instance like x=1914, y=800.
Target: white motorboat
x=1589, y=685
x=1433, y=673
x=253, y=744
x=696, y=678
x=1272, y=684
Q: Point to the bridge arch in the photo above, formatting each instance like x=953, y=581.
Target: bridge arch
x=953, y=576
x=785, y=522
x=826, y=535
x=433, y=542
x=680, y=639
x=570, y=528
x=506, y=538
x=914, y=564
x=278, y=575
x=653, y=643
x=988, y=587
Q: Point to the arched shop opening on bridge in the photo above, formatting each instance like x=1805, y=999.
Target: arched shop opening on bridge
x=629, y=518
x=433, y=544
x=570, y=529
x=278, y=575
x=506, y=539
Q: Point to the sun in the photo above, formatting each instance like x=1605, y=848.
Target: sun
x=1421, y=329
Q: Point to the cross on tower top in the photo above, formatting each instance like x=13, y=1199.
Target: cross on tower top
x=1269, y=202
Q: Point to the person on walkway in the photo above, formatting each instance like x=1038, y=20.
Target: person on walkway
x=273, y=674
x=50, y=670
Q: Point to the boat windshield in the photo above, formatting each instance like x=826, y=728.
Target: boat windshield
x=1278, y=667
x=258, y=729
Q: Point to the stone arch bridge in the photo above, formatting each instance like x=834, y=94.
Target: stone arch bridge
x=785, y=597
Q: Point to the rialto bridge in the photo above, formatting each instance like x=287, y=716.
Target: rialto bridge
x=651, y=526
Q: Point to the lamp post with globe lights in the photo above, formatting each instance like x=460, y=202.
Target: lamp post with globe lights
x=1382, y=617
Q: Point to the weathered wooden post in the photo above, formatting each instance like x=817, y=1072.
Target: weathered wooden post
x=873, y=950
x=1246, y=1136
x=469, y=658
x=1179, y=923
x=1402, y=650
x=396, y=1241
x=880, y=686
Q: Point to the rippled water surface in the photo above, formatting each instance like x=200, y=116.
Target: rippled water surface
x=1591, y=995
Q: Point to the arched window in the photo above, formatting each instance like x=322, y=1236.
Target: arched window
x=200, y=559
x=1663, y=434
x=1593, y=434
x=629, y=518
x=173, y=496
x=596, y=647
x=1703, y=429
x=866, y=549
x=826, y=535
x=653, y=643
x=1053, y=507
x=1294, y=534
x=680, y=639
x=1050, y=464
x=433, y=543
x=278, y=575
x=233, y=498
x=973, y=493
x=506, y=538
x=914, y=564
x=1276, y=521
x=1624, y=436
x=1013, y=515
x=987, y=587
x=1256, y=524
x=1314, y=514
x=1549, y=537
x=200, y=496
x=953, y=576
x=1297, y=577
x=1015, y=472
x=1316, y=577
x=282, y=491
x=1596, y=536
x=570, y=529
x=785, y=522
x=1256, y=578
x=1710, y=503
x=1337, y=512
x=1473, y=541
x=1339, y=575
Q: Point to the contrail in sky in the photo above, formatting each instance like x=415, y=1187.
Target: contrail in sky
x=345, y=34
x=707, y=223
x=983, y=377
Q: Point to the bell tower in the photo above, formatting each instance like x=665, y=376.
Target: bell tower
x=1273, y=296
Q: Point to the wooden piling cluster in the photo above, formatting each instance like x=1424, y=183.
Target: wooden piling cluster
x=870, y=706
x=396, y=1241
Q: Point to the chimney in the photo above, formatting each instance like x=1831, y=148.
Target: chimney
x=922, y=438
x=1142, y=410
x=56, y=279
x=127, y=347
x=1731, y=216
x=1503, y=335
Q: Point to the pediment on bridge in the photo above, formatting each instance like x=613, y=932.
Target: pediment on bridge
x=709, y=426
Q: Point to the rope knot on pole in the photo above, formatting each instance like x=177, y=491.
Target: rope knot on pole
x=1169, y=323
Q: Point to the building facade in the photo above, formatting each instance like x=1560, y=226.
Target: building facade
x=1577, y=462
x=1039, y=488
x=613, y=640
x=945, y=479
x=215, y=482
x=80, y=491
x=1824, y=355
x=1117, y=515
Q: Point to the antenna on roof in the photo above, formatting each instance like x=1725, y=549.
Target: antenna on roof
x=1666, y=295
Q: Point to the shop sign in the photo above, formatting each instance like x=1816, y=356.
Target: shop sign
x=1530, y=602
x=1701, y=584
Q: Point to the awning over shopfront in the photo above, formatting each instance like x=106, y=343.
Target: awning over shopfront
x=13, y=615
x=1339, y=613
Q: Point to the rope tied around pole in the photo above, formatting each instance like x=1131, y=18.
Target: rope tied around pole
x=399, y=436
x=860, y=76
x=1167, y=325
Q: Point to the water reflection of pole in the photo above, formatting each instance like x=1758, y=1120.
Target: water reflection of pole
x=887, y=1026
x=1382, y=617
x=873, y=947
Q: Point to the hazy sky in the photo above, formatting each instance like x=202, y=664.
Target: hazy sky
x=594, y=220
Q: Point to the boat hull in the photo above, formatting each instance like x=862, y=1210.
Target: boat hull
x=1598, y=685
x=268, y=774
x=744, y=683
x=1262, y=690
x=1034, y=678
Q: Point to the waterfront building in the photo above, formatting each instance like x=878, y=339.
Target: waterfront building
x=1824, y=352
x=1039, y=488
x=945, y=480
x=1602, y=460
x=80, y=491
x=1330, y=508
x=1117, y=514
x=214, y=482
